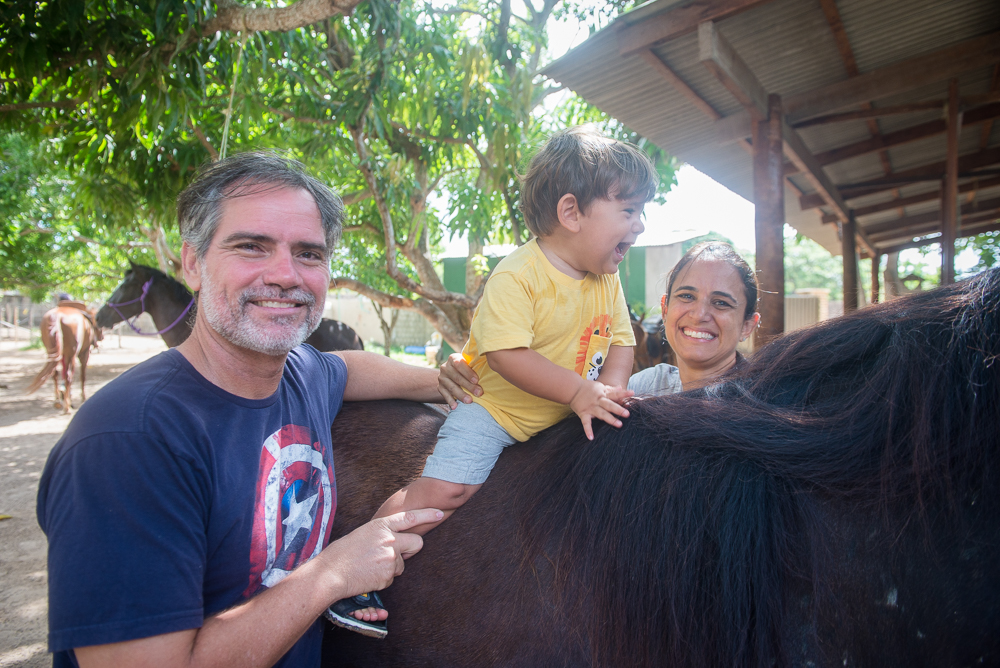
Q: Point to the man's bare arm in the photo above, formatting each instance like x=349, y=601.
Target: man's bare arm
x=367, y=559
x=373, y=376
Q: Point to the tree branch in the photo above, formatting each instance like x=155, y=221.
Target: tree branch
x=303, y=119
x=235, y=17
x=87, y=240
x=389, y=234
x=483, y=162
x=355, y=197
x=23, y=106
x=364, y=227
x=204, y=141
x=427, y=309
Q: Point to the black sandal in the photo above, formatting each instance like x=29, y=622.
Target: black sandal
x=340, y=614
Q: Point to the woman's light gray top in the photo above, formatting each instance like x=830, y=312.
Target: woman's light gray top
x=656, y=380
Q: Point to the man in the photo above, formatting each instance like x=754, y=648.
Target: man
x=189, y=502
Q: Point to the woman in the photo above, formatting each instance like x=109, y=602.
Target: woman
x=709, y=307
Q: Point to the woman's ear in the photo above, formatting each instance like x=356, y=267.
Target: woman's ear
x=663, y=305
x=568, y=212
x=749, y=325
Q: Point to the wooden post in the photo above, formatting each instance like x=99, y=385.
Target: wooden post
x=876, y=261
x=769, y=220
x=949, y=189
x=849, y=246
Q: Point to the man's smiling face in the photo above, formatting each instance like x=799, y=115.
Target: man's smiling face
x=263, y=281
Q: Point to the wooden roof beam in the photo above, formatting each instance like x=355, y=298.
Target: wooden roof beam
x=674, y=23
x=893, y=79
x=904, y=136
x=878, y=112
x=718, y=55
x=721, y=59
x=969, y=187
x=966, y=163
x=971, y=231
x=878, y=231
x=968, y=223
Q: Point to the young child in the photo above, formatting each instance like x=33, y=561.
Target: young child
x=551, y=335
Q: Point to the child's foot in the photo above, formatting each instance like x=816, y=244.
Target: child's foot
x=360, y=614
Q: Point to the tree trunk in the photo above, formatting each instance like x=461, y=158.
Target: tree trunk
x=387, y=327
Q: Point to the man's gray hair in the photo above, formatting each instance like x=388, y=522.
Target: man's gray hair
x=199, y=206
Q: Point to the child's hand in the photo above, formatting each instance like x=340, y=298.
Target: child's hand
x=597, y=400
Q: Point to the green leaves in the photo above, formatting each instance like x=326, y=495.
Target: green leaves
x=132, y=98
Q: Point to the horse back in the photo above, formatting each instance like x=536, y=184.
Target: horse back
x=468, y=598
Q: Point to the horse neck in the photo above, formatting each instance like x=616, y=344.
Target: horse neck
x=164, y=308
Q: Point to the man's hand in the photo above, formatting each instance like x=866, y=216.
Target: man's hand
x=368, y=558
x=457, y=381
x=594, y=399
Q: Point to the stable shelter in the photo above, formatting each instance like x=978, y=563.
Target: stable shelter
x=867, y=125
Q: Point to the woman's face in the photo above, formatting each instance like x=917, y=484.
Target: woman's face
x=703, y=314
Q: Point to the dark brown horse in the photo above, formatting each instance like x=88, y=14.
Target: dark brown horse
x=171, y=305
x=68, y=333
x=836, y=501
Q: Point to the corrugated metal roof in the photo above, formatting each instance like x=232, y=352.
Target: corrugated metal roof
x=791, y=49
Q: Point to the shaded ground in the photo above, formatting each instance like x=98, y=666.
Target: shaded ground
x=29, y=427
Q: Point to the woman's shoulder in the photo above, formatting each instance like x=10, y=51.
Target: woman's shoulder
x=656, y=380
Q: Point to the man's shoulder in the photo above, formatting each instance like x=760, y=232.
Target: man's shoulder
x=135, y=386
x=139, y=400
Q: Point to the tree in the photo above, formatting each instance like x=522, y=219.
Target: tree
x=136, y=95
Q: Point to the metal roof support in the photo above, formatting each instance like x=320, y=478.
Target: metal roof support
x=769, y=222
x=949, y=189
x=847, y=232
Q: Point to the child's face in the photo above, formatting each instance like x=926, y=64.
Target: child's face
x=607, y=230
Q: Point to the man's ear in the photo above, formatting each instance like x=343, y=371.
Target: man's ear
x=191, y=267
x=568, y=212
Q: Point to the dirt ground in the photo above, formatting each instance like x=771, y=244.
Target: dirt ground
x=29, y=427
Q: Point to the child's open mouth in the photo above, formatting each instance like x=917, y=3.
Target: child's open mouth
x=621, y=249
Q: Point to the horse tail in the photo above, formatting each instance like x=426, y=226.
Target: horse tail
x=53, y=351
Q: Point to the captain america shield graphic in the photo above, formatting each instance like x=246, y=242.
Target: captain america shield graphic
x=295, y=504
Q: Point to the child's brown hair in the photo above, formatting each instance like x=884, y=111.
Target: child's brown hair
x=583, y=162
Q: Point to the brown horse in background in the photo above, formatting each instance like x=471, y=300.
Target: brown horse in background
x=68, y=332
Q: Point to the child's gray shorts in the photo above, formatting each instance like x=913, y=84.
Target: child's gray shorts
x=468, y=445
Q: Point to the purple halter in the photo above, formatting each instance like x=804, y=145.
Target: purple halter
x=142, y=303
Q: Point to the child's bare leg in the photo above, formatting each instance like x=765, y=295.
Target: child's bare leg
x=421, y=493
x=428, y=493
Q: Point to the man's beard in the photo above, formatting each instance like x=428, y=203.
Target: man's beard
x=235, y=325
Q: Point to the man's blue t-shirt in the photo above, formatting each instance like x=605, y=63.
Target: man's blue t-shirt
x=168, y=500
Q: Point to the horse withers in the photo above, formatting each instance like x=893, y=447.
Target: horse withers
x=834, y=502
x=170, y=305
x=68, y=333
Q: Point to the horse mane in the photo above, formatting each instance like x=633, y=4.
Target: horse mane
x=687, y=524
x=176, y=289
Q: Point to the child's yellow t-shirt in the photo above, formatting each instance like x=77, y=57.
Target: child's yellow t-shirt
x=528, y=303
